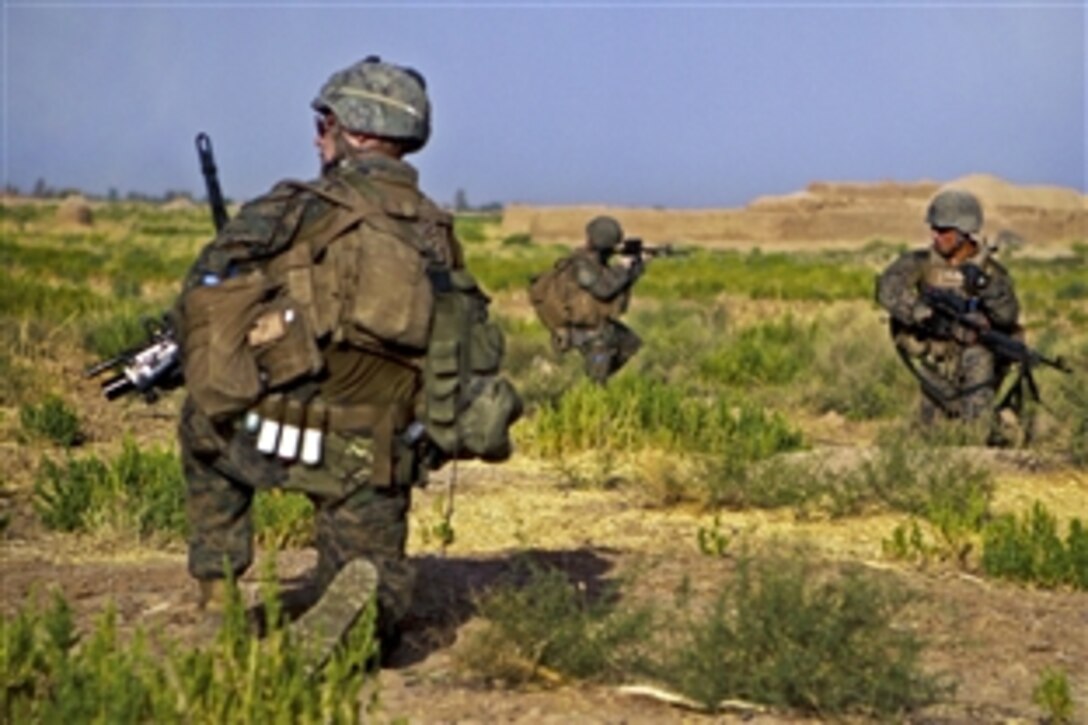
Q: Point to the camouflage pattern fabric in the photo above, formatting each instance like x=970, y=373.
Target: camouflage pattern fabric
x=960, y=377
x=605, y=349
x=381, y=99
x=357, y=517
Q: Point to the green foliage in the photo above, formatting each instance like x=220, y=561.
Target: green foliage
x=21, y=297
x=39, y=260
x=705, y=275
x=517, y=240
x=121, y=328
x=778, y=634
x=768, y=353
x=551, y=623
x=283, y=519
x=633, y=413
x=1054, y=695
x=140, y=489
x=1030, y=550
x=52, y=674
x=512, y=270
x=53, y=420
x=474, y=228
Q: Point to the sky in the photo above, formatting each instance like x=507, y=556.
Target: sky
x=684, y=104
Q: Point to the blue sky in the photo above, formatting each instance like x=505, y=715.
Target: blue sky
x=680, y=105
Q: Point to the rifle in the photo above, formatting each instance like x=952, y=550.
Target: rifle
x=155, y=365
x=211, y=180
x=636, y=248
x=952, y=310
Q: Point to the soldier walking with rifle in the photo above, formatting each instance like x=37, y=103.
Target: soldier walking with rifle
x=955, y=322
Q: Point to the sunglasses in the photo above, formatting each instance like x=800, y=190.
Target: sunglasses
x=323, y=124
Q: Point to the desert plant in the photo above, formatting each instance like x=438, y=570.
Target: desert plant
x=50, y=673
x=779, y=634
x=548, y=624
x=1030, y=549
x=53, y=420
x=1054, y=696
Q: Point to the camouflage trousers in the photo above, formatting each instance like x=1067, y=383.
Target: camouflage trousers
x=353, y=519
x=605, y=349
x=962, y=385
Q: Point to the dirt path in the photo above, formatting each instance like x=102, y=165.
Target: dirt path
x=996, y=639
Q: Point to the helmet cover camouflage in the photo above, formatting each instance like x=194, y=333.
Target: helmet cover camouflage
x=603, y=232
x=380, y=99
x=955, y=209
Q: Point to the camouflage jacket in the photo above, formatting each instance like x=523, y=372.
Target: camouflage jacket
x=604, y=282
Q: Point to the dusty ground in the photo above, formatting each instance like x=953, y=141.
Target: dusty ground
x=994, y=638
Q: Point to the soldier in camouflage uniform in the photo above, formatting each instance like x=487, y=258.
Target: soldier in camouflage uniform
x=958, y=376
x=587, y=298
x=358, y=383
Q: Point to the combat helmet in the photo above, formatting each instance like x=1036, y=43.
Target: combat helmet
x=955, y=209
x=380, y=99
x=603, y=233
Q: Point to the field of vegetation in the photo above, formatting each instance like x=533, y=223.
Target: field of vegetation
x=745, y=520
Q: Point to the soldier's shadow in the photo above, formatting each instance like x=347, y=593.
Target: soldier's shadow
x=448, y=588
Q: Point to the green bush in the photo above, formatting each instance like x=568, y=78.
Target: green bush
x=1030, y=550
x=768, y=353
x=139, y=489
x=781, y=635
x=1054, y=695
x=633, y=413
x=53, y=420
x=548, y=623
x=52, y=674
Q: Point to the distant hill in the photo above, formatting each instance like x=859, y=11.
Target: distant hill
x=826, y=214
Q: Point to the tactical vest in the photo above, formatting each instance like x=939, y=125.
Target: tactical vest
x=560, y=301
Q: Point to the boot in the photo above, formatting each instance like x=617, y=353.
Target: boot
x=323, y=627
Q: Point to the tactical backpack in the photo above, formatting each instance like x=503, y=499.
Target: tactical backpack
x=561, y=302
x=361, y=275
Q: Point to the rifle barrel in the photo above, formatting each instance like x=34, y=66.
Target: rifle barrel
x=211, y=180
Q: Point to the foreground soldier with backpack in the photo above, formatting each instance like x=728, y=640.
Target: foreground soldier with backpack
x=334, y=344
x=582, y=297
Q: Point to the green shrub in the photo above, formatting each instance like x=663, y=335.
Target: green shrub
x=474, y=228
x=51, y=674
x=548, y=623
x=53, y=420
x=517, y=240
x=779, y=634
x=768, y=353
x=283, y=519
x=139, y=489
x=1054, y=695
x=633, y=413
x=1030, y=550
